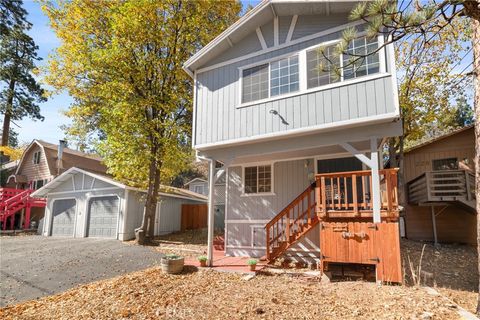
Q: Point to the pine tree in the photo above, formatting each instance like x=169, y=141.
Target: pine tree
x=20, y=92
x=399, y=20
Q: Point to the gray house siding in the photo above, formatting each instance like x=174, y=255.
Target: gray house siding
x=219, y=116
x=245, y=212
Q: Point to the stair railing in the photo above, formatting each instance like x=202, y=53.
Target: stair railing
x=290, y=223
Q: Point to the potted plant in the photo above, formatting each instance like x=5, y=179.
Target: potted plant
x=252, y=263
x=172, y=263
x=203, y=261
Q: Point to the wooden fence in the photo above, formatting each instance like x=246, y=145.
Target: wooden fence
x=194, y=216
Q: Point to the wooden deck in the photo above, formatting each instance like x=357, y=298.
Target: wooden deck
x=341, y=203
x=348, y=194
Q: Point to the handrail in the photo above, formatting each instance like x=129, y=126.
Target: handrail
x=291, y=222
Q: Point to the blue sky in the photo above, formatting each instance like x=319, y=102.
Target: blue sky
x=49, y=129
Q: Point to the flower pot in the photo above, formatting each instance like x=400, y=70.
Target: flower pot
x=252, y=267
x=203, y=263
x=172, y=265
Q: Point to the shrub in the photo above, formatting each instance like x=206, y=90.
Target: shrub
x=202, y=258
x=252, y=262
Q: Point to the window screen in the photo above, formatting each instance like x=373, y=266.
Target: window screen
x=255, y=83
x=284, y=76
x=445, y=164
x=355, y=66
x=321, y=67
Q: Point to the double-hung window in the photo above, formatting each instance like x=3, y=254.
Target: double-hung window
x=36, y=157
x=258, y=179
x=270, y=79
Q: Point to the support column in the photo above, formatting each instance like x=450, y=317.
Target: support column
x=376, y=197
x=211, y=211
x=434, y=224
x=27, y=217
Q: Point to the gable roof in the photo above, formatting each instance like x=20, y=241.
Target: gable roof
x=264, y=11
x=439, y=138
x=71, y=158
x=195, y=180
x=67, y=175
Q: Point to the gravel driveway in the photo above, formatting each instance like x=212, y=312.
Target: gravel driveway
x=36, y=266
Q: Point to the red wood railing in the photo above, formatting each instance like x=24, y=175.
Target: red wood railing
x=14, y=200
x=296, y=219
x=349, y=194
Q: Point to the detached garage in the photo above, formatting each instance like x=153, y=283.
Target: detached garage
x=85, y=204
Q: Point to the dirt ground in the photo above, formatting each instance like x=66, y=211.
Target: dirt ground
x=206, y=294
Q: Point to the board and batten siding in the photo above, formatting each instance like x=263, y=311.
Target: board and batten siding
x=290, y=179
x=220, y=116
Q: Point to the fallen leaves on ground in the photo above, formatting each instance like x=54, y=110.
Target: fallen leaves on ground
x=451, y=269
x=206, y=294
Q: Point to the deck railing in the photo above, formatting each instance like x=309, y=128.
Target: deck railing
x=437, y=186
x=349, y=194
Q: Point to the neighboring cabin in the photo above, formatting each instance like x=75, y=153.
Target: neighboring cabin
x=264, y=109
x=440, y=178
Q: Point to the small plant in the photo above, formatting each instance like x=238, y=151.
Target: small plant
x=252, y=262
x=203, y=261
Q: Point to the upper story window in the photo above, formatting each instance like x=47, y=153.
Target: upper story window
x=284, y=76
x=255, y=83
x=357, y=67
x=36, y=157
x=258, y=179
x=311, y=68
x=320, y=67
x=270, y=79
x=445, y=164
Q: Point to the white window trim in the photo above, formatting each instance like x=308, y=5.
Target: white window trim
x=302, y=65
x=272, y=182
x=35, y=156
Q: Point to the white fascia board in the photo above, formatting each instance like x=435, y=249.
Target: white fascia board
x=389, y=117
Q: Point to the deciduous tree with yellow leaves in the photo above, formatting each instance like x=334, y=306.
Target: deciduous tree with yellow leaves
x=121, y=62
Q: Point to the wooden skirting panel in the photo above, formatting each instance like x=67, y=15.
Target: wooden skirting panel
x=454, y=224
x=194, y=216
x=363, y=243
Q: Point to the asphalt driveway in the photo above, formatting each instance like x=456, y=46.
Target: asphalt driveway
x=36, y=266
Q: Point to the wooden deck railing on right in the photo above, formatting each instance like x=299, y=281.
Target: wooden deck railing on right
x=442, y=186
x=349, y=194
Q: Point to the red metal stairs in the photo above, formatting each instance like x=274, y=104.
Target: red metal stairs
x=12, y=201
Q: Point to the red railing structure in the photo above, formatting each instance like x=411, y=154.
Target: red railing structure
x=13, y=201
x=295, y=220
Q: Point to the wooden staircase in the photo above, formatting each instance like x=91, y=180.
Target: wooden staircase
x=13, y=201
x=291, y=224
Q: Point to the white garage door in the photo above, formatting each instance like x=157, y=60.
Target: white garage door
x=63, y=221
x=103, y=216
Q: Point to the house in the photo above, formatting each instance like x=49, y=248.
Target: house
x=298, y=143
x=82, y=203
x=200, y=185
x=441, y=189
x=40, y=163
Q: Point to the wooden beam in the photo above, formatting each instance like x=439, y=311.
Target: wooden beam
x=360, y=156
x=211, y=213
x=291, y=29
x=261, y=38
x=376, y=197
x=434, y=224
x=275, y=31
x=230, y=43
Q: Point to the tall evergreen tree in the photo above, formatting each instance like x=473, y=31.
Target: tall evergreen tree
x=20, y=93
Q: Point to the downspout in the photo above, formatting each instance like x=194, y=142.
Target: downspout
x=211, y=214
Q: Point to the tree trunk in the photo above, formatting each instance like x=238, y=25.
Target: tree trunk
x=8, y=114
x=145, y=233
x=476, y=64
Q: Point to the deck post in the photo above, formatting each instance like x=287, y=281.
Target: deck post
x=211, y=211
x=434, y=224
x=376, y=198
x=27, y=217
